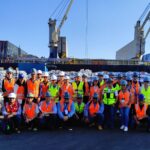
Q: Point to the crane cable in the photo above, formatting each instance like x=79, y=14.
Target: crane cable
x=86, y=29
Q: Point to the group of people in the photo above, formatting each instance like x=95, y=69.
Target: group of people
x=49, y=102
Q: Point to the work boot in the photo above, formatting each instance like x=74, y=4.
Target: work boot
x=100, y=128
x=122, y=127
x=125, y=129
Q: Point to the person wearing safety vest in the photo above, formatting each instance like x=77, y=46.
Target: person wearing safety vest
x=44, y=86
x=145, y=90
x=66, y=87
x=33, y=86
x=93, y=112
x=141, y=113
x=54, y=88
x=78, y=86
x=79, y=108
x=61, y=76
x=30, y=113
x=95, y=88
x=12, y=115
x=117, y=83
x=19, y=89
x=8, y=84
x=48, y=113
x=101, y=80
x=109, y=98
x=66, y=112
x=124, y=105
x=135, y=84
x=39, y=76
x=105, y=78
x=87, y=88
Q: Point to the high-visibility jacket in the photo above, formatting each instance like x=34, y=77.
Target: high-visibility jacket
x=20, y=92
x=140, y=113
x=124, y=99
x=66, y=88
x=101, y=83
x=47, y=107
x=118, y=87
x=43, y=89
x=33, y=87
x=78, y=88
x=54, y=90
x=133, y=97
x=94, y=108
x=94, y=89
x=9, y=86
x=11, y=108
x=62, y=105
x=79, y=107
x=30, y=110
x=146, y=94
x=102, y=89
x=87, y=89
x=111, y=93
x=136, y=87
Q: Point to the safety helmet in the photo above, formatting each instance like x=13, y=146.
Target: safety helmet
x=123, y=82
x=21, y=76
x=39, y=72
x=146, y=79
x=45, y=74
x=12, y=95
x=33, y=71
x=61, y=73
x=53, y=77
x=141, y=97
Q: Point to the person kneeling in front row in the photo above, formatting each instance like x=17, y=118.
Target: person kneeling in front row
x=94, y=112
x=48, y=112
x=66, y=111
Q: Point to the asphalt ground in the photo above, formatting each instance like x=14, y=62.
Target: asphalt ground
x=78, y=139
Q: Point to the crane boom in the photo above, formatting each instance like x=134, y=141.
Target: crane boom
x=65, y=15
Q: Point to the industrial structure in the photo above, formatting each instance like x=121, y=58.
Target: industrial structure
x=136, y=48
x=57, y=43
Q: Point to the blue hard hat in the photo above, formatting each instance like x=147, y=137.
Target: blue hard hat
x=21, y=76
x=111, y=74
x=66, y=95
x=109, y=80
x=48, y=94
x=146, y=79
x=95, y=96
x=141, y=97
x=135, y=74
x=9, y=70
x=128, y=78
x=119, y=76
x=123, y=82
x=95, y=78
x=100, y=74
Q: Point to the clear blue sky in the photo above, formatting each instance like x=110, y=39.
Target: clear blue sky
x=111, y=25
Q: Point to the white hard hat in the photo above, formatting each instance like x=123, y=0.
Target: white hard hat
x=67, y=78
x=39, y=72
x=53, y=77
x=106, y=76
x=62, y=73
x=12, y=95
x=45, y=74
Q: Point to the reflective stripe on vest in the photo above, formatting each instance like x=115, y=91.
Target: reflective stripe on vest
x=78, y=89
x=93, y=109
x=109, y=100
x=141, y=113
x=146, y=94
x=47, y=108
x=33, y=87
x=30, y=110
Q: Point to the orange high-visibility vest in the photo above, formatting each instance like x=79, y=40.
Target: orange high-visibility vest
x=9, y=86
x=47, y=108
x=20, y=92
x=44, y=89
x=33, y=87
x=67, y=88
x=87, y=89
x=10, y=108
x=62, y=105
x=124, y=99
x=94, y=89
x=136, y=87
x=93, y=108
x=140, y=113
x=133, y=97
x=30, y=111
